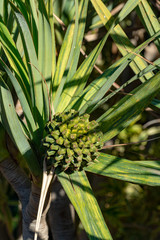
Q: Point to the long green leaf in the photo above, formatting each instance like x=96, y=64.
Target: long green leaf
x=1, y=7
x=22, y=7
x=20, y=94
x=45, y=53
x=98, y=88
x=93, y=93
x=31, y=20
x=82, y=15
x=30, y=54
x=80, y=78
x=149, y=19
x=141, y=172
x=34, y=12
x=154, y=104
x=50, y=14
x=73, y=61
x=96, y=104
x=70, y=57
x=129, y=7
x=80, y=194
x=76, y=85
x=46, y=46
x=34, y=23
x=64, y=55
x=24, y=103
x=12, y=126
x=14, y=57
x=128, y=108
x=120, y=38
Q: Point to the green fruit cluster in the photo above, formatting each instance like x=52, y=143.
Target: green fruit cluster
x=72, y=141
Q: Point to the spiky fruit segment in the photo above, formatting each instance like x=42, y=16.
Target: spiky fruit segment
x=72, y=141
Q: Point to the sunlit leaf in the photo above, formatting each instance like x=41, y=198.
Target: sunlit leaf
x=129, y=107
x=141, y=172
x=80, y=194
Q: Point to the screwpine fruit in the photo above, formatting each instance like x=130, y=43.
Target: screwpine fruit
x=72, y=141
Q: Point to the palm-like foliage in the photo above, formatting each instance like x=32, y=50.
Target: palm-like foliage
x=43, y=82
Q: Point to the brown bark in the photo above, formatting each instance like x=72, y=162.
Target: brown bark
x=29, y=195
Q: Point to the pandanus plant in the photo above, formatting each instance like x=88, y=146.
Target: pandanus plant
x=55, y=139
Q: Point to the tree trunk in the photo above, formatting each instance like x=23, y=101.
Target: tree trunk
x=29, y=195
x=61, y=212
